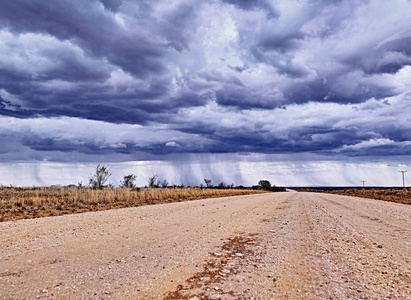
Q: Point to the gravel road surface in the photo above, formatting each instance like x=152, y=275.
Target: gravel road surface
x=268, y=246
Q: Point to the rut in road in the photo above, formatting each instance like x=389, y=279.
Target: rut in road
x=270, y=246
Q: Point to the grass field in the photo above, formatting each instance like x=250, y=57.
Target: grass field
x=26, y=203
x=392, y=195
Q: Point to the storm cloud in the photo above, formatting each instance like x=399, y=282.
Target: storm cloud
x=119, y=80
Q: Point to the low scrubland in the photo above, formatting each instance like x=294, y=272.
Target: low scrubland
x=392, y=195
x=26, y=203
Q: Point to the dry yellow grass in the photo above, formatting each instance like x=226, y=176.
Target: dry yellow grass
x=392, y=195
x=25, y=203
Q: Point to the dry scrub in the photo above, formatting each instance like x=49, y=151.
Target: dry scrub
x=27, y=203
x=392, y=195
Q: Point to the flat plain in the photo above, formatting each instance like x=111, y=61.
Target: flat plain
x=293, y=245
x=28, y=203
x=392, y=195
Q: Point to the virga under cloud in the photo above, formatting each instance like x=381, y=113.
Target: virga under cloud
x=141, y=80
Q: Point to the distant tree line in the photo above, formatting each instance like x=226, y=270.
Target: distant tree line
x=266, y=185
x=99, y=179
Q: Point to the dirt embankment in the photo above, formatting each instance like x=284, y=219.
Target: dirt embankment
x=269, y=246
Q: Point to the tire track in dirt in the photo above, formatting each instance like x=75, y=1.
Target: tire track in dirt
x=317, y=248
x=127, y=253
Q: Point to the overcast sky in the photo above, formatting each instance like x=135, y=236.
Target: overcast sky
x=296, y=92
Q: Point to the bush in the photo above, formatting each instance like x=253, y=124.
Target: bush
x=208, y=182
x=152, y=181
x=128, y=181
x=265, y=184
x=100, y=177
x=164, y=183
x=277, y=189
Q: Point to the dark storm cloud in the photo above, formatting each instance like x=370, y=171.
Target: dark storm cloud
x=389, y=57
x=282, y=41
x=299, y=139
x=99, y=43
x=88, y=25
x=333, y=90
x=113, y=5
x=221, y=73
x=246, y=97
x=177, y=26
x=279, y=46
x=367, y=129
x=257, y=4
x=90, y=45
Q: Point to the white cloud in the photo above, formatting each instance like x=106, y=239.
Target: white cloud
x=172, y=144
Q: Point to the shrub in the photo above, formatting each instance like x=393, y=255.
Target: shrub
x=265, y=184
x=100, y=177
x=128, y=181
x=208, y=182
x=152, y=181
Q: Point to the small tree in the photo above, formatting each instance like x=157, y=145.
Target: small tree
x=100, y=177
x=207, y=182
x=164, y=183
x=264, y=184
x=152, y=181
x=222, y=185
x=128, y=181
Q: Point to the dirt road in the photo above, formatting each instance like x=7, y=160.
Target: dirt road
x=270, y=246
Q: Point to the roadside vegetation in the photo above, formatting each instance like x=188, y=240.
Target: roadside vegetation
x=26, y=203
x=393, y=195
x=266, y=185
